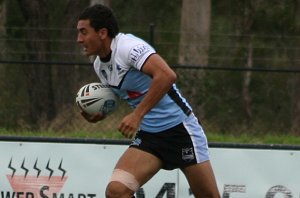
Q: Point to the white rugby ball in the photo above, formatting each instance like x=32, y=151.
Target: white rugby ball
x=96, y=97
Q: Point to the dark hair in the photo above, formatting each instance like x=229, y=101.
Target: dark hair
x=101, y=16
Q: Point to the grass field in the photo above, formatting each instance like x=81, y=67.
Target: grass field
x=74, y=126
x=212, y=137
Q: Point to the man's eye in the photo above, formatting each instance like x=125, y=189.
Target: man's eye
x=83, y=31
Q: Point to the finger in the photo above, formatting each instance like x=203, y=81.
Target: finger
x=131, y=135
x=124, y=130
x=121, y=127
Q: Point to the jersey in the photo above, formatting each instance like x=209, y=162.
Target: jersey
x=123, y=73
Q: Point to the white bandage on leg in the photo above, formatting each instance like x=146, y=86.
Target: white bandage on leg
x=125, y=178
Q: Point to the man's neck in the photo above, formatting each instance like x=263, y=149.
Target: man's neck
x=106, y=50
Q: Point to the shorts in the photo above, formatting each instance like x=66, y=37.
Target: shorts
x=177, y=147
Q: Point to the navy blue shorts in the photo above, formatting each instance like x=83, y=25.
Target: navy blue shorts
x=177, y=147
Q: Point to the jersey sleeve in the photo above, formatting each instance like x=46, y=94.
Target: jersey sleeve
x=135, y=52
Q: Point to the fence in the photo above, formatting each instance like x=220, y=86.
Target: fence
x=216, y=95
x=226, y=95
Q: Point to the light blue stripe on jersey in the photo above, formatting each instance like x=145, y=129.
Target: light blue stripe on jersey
x=171, y=110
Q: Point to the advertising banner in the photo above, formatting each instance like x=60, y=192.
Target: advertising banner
x=75, y=170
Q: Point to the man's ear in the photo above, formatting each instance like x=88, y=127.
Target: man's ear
x=103, y=33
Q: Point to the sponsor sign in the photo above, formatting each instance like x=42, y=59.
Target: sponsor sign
x=74, y=170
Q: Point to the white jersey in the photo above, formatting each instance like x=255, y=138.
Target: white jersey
x=123, y=73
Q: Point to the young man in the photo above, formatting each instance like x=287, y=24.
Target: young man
x=167, y=133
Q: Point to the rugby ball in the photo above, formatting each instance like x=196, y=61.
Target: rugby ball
x=96, y=97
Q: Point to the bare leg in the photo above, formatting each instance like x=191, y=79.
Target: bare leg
x=140, y=164
x=202, y=180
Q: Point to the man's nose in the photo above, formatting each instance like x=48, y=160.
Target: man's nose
x=79, y=39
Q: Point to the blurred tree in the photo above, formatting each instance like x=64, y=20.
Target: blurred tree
x=282, y=19
x=295, y=80
x=244, y=21
x=103, y=2
x=237, y=33
x=38, y=76
x=2, y=36
x=66, y=77
x=194, y=46
x=137, y=17
x=2, y=24
x=194, y=32
x=2, y=49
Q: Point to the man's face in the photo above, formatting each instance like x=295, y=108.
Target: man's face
x=88, y=38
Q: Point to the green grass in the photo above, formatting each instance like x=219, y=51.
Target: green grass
x=254, y=139
x=72, y=134
x=212, y=137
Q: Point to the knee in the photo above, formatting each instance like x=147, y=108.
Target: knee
x=116, y=190
x=122, y=184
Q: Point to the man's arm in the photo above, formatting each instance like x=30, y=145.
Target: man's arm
x=162, y=79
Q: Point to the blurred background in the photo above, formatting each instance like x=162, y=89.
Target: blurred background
x=237, y=61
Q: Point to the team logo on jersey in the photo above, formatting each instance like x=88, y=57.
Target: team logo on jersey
x=119, y=69
x=188, y=154
x=110, y=67
x=137, y=52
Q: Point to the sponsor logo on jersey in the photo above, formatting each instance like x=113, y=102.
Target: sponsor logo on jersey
x=137, y=52
x=133, y=94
